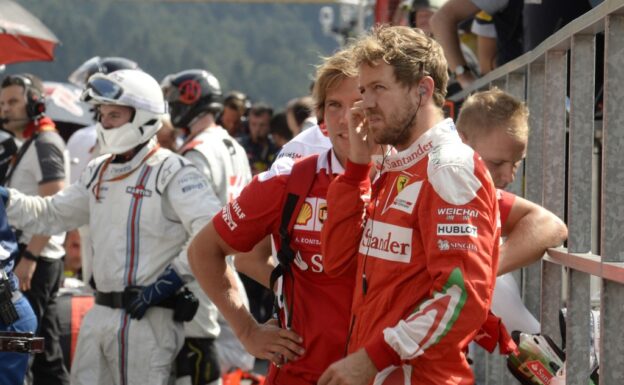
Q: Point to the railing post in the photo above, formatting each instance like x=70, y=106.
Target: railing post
x=582, y=72
x=612, y=226
x=554, y=181
x=534, y=173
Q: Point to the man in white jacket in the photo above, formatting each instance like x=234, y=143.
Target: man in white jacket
x=142, y=204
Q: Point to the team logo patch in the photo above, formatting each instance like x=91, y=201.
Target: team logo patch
x=312, y=214
x=456, y=229
x=139, y=191
x=322, y=212
x=386, y=241
x=226, y=215
x=446, y=245
x=304, y=215
x=401, y=182
x=451, y=212
x=190, y=91
x=405, y=199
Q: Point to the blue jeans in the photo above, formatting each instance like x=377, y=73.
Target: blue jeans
x=13, y=366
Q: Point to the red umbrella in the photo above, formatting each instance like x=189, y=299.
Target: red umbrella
x=23, y=37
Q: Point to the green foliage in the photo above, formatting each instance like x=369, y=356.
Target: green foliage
x=267, y=51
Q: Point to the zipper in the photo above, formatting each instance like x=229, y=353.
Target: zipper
x=346, y=349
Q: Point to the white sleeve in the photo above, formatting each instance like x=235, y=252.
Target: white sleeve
x=66, y=210
x=191, y=200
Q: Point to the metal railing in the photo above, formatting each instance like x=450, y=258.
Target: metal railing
x=575, y=168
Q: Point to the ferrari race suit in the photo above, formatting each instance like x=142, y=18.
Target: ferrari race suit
x=320, y=304
x=426, y=256
x=224, y=163
x=141, y=214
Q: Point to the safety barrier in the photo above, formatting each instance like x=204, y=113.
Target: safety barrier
x=575, y=168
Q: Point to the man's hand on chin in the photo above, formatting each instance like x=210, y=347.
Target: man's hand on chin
x=355, y=369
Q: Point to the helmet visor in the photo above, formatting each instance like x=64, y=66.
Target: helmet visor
x=104, y=88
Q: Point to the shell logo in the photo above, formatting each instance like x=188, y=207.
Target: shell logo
x=305, y=214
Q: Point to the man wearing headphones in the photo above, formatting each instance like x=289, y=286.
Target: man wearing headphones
x=39, y=168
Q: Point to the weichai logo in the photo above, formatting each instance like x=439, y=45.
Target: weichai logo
x=458, y=211
x=457, y=229
x=386, y=241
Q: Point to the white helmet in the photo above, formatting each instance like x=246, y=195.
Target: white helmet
x=130, y=88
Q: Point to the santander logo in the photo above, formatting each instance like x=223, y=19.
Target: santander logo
x=414, y=156
x=386, y=241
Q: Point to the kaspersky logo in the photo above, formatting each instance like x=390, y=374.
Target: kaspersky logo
x=386, y=241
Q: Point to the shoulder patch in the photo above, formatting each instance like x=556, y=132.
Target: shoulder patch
x=168, y=168
x=92, y=170
x=450, y=171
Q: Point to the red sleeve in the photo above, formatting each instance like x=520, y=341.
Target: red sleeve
x=505, y=203
x=253, y=215
x=340, y=237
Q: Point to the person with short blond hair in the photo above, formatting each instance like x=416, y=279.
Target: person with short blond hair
x=334, y=69
x=486, y=111
x=316, y=306
x=495, y=124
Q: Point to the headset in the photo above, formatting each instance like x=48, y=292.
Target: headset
x=35, y=102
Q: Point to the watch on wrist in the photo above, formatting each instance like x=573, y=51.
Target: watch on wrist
x=460, y=70
x=30, y=256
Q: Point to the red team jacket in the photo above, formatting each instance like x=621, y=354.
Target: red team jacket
x=429, y=252
x=321, y=303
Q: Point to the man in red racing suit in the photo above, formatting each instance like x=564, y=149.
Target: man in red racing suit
x=426, y=241
x=318, y=304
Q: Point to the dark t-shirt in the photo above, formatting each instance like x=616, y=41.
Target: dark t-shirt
x=260, y=155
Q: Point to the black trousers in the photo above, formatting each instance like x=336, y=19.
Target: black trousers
x=47, y=367
x=199, y=360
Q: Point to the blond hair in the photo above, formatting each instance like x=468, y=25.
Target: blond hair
x=410, y=52
x=329, y=74
x=493, y=109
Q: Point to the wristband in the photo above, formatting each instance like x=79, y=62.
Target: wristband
x=30, y=256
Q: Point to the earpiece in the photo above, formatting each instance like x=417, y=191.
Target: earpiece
x=421, y=90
